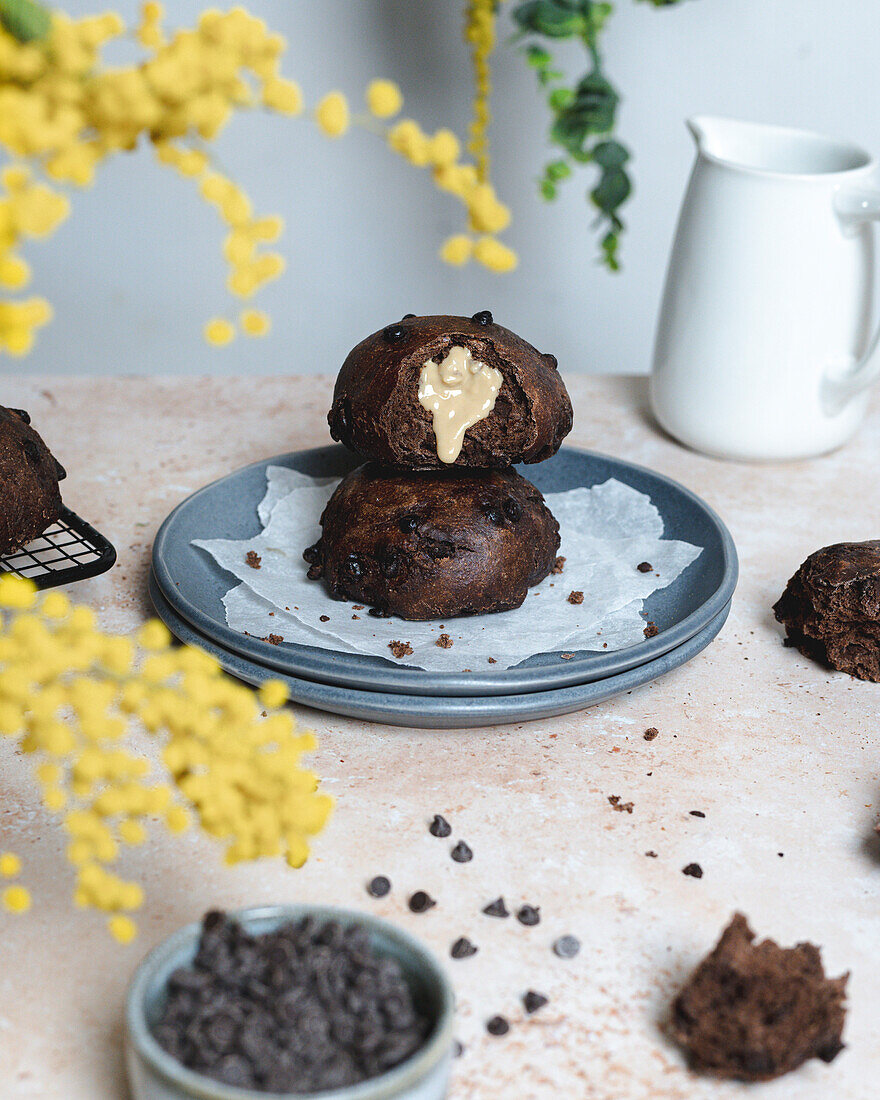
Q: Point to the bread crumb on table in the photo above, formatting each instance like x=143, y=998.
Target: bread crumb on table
x=253, y=559
x=400, y=649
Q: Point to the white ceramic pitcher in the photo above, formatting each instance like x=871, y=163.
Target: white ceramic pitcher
x=763, y=348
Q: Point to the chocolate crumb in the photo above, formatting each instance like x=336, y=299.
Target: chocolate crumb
x=529, y=915
x=439, y=826
x=421, y=902
x=621, y=807
x=644, y=567
x=566, y=656
x=693, y=869
x=696, y=813
x=651, y=630
x=357, y=607
x=558, y=565
x=497, y=908
x=315, y=572
x=444, y=641
x=575, y=597
x=275, y=639
x=457, y=1049
x=379, y=886
x=650, y=733
x=253, y=559
x=325, y=618
x=498, y=1026
x=461, y=853
x=532, y=1001
x=651, y=854
x=463, y=948
x=400, y=649
x=566, y=947
x=491, y=660
x=355, y=616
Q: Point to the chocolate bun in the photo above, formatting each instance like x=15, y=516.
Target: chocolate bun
x=376, y=409
x=29, y=477
x=433, y=545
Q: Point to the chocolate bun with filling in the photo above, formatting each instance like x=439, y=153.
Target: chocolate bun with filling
x=432, y=392
x=29, y=496
x=434, y=545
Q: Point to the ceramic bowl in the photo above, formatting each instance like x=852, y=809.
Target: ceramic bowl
x=154, y=1075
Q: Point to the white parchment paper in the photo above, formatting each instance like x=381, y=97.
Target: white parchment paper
x=606, y=532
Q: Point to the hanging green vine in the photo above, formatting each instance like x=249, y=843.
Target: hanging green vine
x=585, y=115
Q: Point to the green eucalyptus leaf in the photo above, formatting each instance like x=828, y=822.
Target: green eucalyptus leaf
x=25, y=20
x=560, y=99
x=570, y=131
x=610, y=154
x=537, y=57
x=612, y=190
x=554, y=18
x=548, y=190
x=558, y=170
x=596, y=101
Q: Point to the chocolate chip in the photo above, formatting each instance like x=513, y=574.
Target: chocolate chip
x=650, y=733
x=461, y=853
x=566, y=947
x=22, y=415
x=512, y=509
x=379, y=886
x=315, y=572
x=532, y=1001
x=484, y=317
x=498, y=1026
x=379, y=613
x=550, y=360
x=408, y=523
x=421, y=902
x=644, y=567
x=693, y=869
x=463, y=948
x=438, y=549
x=529, y=915
x=312, y=554
x=31, y=452
x=324, y=618
x=394, y=333
x=494, y=515
x=651, y=854
x=497, y=908
x=407, y=316
x=390, y=564
x=440, y=826
x=353, y=566
x=696, y=813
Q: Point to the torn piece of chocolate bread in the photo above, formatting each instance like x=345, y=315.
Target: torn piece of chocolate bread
x=433, y=545
x=29, y=496
x=377, y=410
x=754, y=1011
x=831, y=608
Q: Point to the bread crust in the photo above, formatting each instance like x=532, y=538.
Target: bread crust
x=376, y=411
x=29, y=476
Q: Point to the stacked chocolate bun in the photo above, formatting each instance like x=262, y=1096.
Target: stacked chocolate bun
x=437, y=523
x=29, y=476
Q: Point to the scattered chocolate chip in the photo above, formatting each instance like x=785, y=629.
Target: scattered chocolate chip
x=440, y=826
x=444, y=641
x=566, y=947
x=650, y=733
x=550, y=360
x=379, y=887
x=651, y=854
x=558, y=565
x=315, y=572
x=495, y=515
x=498, y=1026
x=275, y=639
x=353, y=566
x=311, y=554
x=575, y=597
x=693, y=869
x=463, y=948
x=400, y=649
x=253, y=559
x=22, y=415
x=390, y=564
x=393, y=333
x=461, y=853
x=529, y=915
x=532, y=1001
x=407, y=316
x=379, y=613
x=484, y=317
x=512, y=509
x=324, y=618
x=497, y=908
x=408, y=523
x=696, y=813
x=644, y=567
x=651, y=630
x=621, y=807
x=421, y=902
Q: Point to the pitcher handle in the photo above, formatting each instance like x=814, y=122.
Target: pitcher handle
x=854, y=207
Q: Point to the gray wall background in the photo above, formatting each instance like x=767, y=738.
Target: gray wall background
x=136, y=270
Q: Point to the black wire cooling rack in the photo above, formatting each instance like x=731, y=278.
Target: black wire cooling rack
x=69, y=550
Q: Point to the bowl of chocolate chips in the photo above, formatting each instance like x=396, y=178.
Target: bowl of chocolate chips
x=289, y=1001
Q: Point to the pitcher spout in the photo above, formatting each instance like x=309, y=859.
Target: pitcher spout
x=719, y=137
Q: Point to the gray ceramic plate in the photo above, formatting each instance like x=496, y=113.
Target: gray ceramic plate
x=194, y=584
x=441, y=711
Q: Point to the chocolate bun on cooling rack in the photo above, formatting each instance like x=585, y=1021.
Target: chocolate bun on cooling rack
x=431, y=392
x=434, y=545
x=29, y=496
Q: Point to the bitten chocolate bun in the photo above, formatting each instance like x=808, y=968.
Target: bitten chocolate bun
x=434, y=545
x=431, y=392
x=29, y=496
x=831, y=608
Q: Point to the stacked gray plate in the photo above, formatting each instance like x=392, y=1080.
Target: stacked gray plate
x=187, y=588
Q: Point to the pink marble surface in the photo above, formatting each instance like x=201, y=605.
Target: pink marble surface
x=782, y=756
